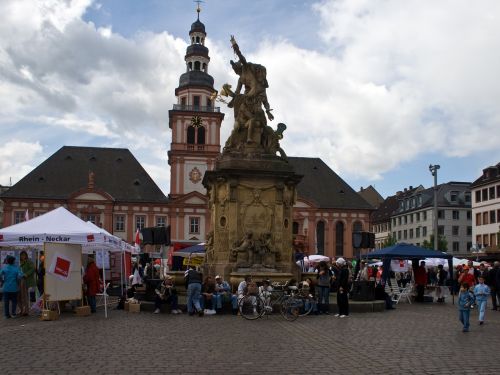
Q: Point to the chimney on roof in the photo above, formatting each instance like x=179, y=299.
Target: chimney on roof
x=406, y=190
x=411, y=187
x=361, y=188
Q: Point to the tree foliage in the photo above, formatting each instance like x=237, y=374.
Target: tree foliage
x=442, y=243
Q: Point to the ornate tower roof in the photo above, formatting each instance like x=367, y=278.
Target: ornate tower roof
x=196, y=58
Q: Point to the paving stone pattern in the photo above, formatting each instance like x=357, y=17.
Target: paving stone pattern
x=413, y=339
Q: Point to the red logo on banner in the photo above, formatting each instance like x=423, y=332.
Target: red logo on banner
x=1, y=237
x=401, y=263
x=62, y=267
x=90, y=238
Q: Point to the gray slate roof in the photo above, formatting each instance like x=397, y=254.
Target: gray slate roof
x=324, y=187
x=490, y=174
x=116, y=171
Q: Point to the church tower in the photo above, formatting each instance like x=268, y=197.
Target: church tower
x=194, y=120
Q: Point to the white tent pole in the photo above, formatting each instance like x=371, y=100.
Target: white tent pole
x=104, y=282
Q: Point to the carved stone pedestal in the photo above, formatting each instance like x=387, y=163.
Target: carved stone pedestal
x=251, y=202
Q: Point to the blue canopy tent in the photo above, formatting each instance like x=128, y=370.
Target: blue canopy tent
x=407, y=251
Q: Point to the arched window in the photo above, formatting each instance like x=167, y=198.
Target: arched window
x=339, y=238
x=320, y=237
x=191, y=135
x=201, y=135
x=197, y=39
x=357, y=226
x=192, y=39
x=295, y=228
x=190, y=65
x=205, y=67
x=196, y=65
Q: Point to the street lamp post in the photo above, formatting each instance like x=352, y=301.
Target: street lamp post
x=433, y=169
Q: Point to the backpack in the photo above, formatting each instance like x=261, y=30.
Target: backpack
x=471, y=299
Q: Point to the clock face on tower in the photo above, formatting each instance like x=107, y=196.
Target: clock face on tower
x=196, y=121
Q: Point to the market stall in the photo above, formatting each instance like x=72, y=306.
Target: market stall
x=63, y=238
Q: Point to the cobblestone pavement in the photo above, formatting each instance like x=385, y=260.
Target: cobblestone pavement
x=413, y=339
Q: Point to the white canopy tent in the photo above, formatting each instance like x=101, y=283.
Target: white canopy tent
x=60, y=226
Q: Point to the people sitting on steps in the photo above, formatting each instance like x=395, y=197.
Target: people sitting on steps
x=167, y=293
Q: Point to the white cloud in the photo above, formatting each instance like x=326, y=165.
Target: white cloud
x=394, y=80
x=17, y=158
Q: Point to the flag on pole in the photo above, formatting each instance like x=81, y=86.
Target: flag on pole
x=26, y=215
x=137, y=241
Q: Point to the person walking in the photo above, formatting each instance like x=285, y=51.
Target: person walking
x=465, y=302
x=27, y=285
x=91, y=280
x=481, y=292
x=11, y=275
x=193, y=285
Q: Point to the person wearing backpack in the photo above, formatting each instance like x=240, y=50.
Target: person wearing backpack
x=465, y=301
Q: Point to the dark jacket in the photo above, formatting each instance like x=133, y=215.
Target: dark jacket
x=442, y=275
x=193, y=277
x=491, y=277
x=342, y=280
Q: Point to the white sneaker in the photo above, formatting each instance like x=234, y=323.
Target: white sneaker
x=336, y=315
x=175, y=312
x=343, y=316
x=157, y=311
x=179, y=311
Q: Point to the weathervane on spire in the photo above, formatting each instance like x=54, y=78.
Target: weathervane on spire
x=198, y=9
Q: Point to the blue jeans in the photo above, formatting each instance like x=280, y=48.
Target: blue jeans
x=193, y=294
x=234, y=302
x=9, y=297
x=464, y=318
x=308, y=303
x=481, y=306
x=324, y=295
x=92, y=303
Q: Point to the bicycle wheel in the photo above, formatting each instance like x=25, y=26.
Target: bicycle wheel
x=290, y=308
x=306, y=306
x=251, y=307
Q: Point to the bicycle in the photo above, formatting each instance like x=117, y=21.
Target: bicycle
x=252, y=306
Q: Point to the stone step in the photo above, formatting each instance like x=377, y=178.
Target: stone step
x=354, y=306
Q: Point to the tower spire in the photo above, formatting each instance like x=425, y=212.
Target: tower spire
x=198, y=9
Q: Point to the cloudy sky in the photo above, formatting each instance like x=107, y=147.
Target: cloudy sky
x=378, y=89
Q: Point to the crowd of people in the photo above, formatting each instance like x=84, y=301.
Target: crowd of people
x=474, y=286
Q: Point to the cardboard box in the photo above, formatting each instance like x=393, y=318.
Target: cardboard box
x=134, y=307
x=82, y=311
x=49, y=315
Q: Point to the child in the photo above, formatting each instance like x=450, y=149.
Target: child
x=465, y=301
x=481, y=292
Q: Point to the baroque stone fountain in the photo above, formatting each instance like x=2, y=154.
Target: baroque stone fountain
x=252, y=188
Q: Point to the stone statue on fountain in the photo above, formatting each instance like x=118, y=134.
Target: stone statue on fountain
x=251, y=134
